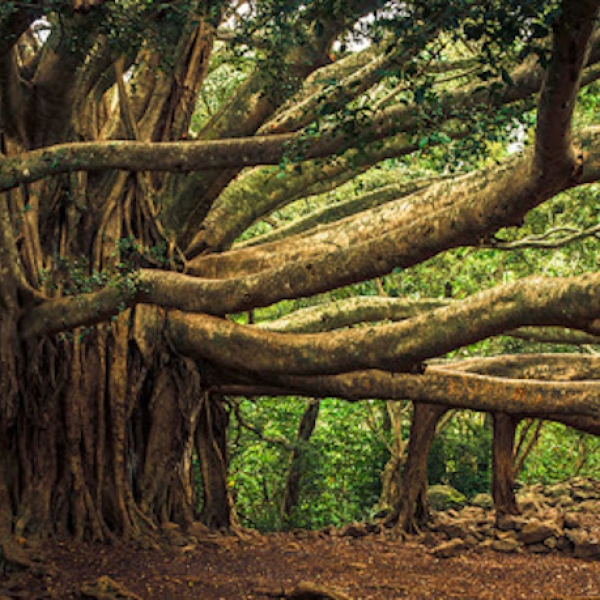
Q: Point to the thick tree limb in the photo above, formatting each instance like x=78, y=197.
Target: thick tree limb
x=350, y=311
x=561, y=370
x=370, y=309
x=544, y=399
x=476, y=202
x=572, y=33
x=141, y=156
x=394, y=347
x=197, y=156
x=341, y=210
x=241, y=204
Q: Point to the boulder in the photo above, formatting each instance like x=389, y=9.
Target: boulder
x=539, y=549
x=445, y=497
x=510, y=522
x=572, y=520
x=506, y=535
x=535, y=532
x=483, y=501
x=557, y=490
x=589, y=548
x=454, y=529
x=450, y=548
x=506, y=545
x=354, y=530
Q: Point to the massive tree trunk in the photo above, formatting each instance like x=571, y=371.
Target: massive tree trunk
x=98, y=425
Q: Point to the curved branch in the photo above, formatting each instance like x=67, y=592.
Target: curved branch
x=557, y=370
x=370, y=309
x=553, y=238
x=571, y=40
x=245, y=200
x=197, y=156
x=350, y=311
x=399, y=346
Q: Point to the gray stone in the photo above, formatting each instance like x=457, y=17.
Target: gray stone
x=563, y=544
x=454, y=529
x=572, y=521
x=506, y=535
x=577, y=536
x=510, y=522
x=557, y=490
x=530, y=503
x=589, y=548
x=551, y=542
x=473, y=513
x=354, y=530
x=591, y=506
x=565, y=501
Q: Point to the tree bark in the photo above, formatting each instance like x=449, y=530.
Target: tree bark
x=503, y=464
x=410, y=511
x=211, y=446
x=291, y=494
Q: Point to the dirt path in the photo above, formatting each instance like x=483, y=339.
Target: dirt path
x=261, y=567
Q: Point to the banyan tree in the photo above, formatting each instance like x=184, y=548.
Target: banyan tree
x=147, y=151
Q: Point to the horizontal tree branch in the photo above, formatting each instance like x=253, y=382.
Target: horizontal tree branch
x=569, y=302
x=332, y=213
x=237, y=152
x=500, y=193
x=556, y=369
x=542, y=399
x=371, y=309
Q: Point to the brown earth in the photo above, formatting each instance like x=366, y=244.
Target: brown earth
x=251, y=566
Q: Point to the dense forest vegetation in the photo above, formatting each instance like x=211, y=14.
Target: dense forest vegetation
x=282, y=264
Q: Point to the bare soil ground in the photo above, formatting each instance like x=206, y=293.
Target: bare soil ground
x=252, y=566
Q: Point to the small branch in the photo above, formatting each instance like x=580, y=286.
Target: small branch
x=530, y=445
x=553, y=238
